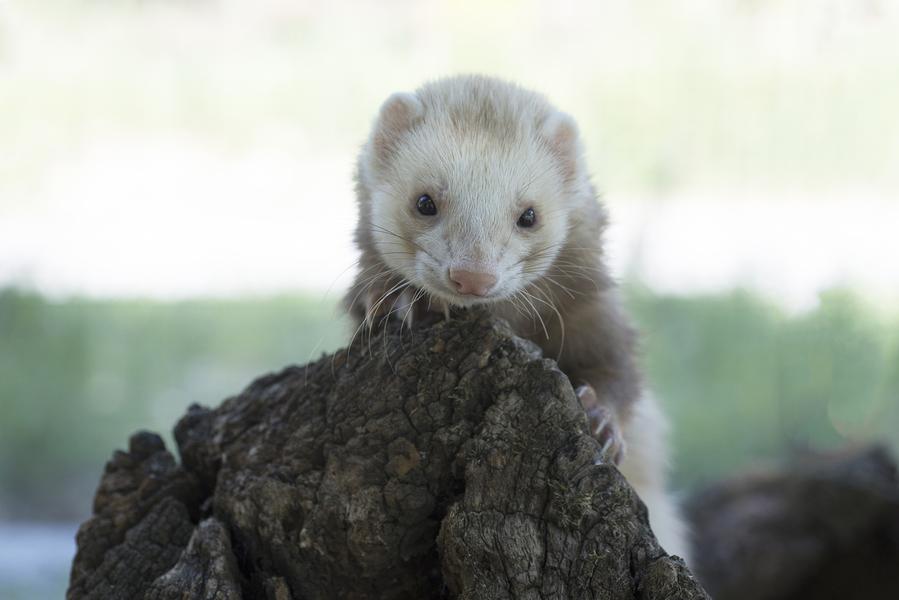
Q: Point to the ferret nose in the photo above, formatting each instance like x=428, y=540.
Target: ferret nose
x=475, y=283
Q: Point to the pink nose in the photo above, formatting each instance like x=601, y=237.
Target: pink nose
x=474, y=283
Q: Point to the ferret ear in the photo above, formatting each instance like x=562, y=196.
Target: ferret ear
x=561, y=135
x=398, y=113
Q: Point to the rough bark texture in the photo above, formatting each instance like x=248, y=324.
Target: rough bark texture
x=141, y=522
x=825, y=527
x=449, y=462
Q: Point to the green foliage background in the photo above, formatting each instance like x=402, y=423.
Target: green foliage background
x=77, y=376
x=741, y=380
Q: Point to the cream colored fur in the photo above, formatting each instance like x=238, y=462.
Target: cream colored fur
x=645, y=466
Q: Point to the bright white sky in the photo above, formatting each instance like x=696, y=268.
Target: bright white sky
x=180, y=149
x=167, y=220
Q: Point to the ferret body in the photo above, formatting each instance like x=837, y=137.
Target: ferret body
x=474, y=191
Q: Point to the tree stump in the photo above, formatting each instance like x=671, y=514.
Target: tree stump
x=451, y=461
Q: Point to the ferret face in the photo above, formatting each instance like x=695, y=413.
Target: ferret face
x=468, y=221
x=469, y=215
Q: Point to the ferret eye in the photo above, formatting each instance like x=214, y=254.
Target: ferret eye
x=426, y=206
x=527, y=218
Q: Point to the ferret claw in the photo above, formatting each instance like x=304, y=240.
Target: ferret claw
x=603, y=425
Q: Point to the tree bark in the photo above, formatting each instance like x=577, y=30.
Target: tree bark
x=451, y=461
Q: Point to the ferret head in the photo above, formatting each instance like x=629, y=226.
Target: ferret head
x=468, y=187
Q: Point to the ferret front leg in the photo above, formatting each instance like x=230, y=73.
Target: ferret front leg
x=397, y=302
x=603, y=424
x=383, y=303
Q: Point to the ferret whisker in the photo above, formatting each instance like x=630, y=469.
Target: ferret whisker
x=552, y=307
x=576, y=275
x=579, y=270
x=408, y=310
x=574, y=267
x=341, y=274
x=579, y=265
x=363, y=283
x=571, y=293
x=528, y=297
x=405, y=239
x=518, y=305
x=379, y=326
x=368, y=281
x=363, y=288
x=418, y=295
x=366, y=284
x=566, y=246
x=374, y=309
x=584, y=248
x=529, y=307
x=535, y=254
x=365, y=321
x=594, y=285
x=397, y=253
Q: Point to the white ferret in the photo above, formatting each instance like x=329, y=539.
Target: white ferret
x=474, y=191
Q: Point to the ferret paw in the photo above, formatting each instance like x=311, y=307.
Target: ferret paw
x=603, y=425
x=381, y=306
x=404, y=306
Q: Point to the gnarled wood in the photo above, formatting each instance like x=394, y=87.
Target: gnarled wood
x=447, y=462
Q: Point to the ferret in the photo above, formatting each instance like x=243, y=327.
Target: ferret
x=474, y=191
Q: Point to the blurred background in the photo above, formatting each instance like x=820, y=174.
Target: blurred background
x=176, y=208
